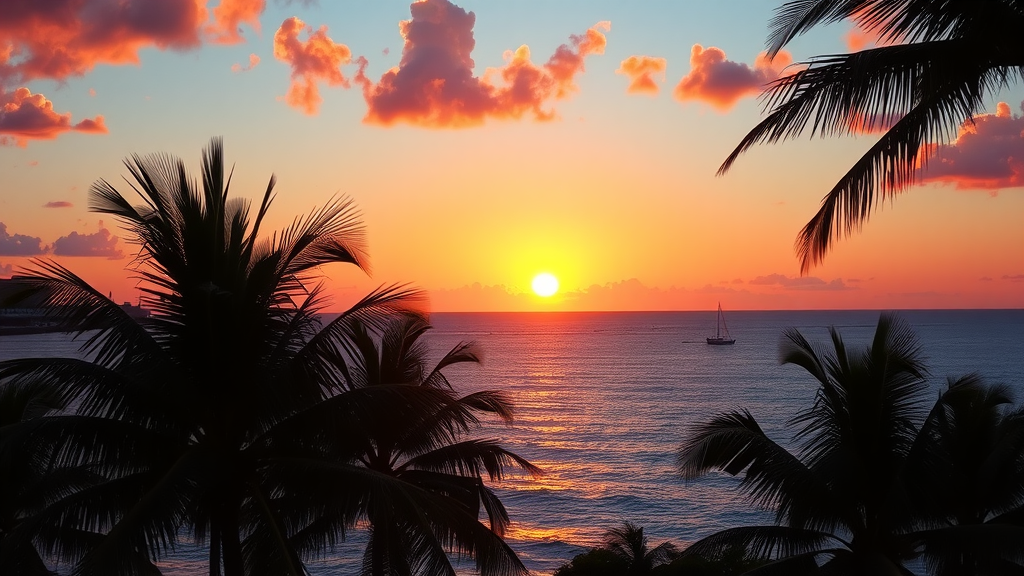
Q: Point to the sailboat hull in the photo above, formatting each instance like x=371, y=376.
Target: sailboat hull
x=721, y=341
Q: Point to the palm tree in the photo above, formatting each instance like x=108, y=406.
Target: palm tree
x=432, y=504
x=630, y=545
x=969, y=480
x=944, y=61
x=861, y=496
x=177, y=413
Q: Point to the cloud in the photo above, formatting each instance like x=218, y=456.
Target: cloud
x=229, y=14
x=98, y=244
x=434, y=85
x=26, y=116
x=987, y=154
x=873, y=123
x=859, y=38
x=6, y=270
x=640, y=70
x=720, y=82
x=799, y=282
x=92, y=92
x=58, y=204
x=61, y=38
x=19, y=244
x=316, y=60
x=1014, y=277
x=253, y=61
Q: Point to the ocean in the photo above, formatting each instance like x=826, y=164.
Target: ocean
x=604, y=400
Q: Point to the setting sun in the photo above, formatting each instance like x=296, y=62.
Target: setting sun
x=545, y=284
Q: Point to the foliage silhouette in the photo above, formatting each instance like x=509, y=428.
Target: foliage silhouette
x=435, y=507
x=877, y=479
x=224, y=410
x=945, y=60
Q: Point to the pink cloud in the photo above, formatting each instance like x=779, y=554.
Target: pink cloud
x=434, y=84
x=318, y=59
x=873, y=123
x=6, y=270
x=253, y=61
x=720, y=82
x=987, y=154
x=100, y=244
x=61, y=38
x=860, y=38
x=641, y=71
x=58, y=204
x=230, y=14
x=25, y=116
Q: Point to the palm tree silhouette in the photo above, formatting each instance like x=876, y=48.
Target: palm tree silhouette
x=869, y=489
x=947, y=58
x=629, y=544
x=437, y=493
x=188, y=415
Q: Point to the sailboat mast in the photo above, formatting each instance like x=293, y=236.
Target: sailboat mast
x=718, y=325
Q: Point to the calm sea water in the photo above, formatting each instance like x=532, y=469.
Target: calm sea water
x=604, y=400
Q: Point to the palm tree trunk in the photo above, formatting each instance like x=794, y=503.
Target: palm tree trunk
x=215, y=549
x=233, y=563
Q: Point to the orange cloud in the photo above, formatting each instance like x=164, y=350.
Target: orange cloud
x=873, y=123
x=26, y=116
x=229, y=14
x=434, y=85
x=720, y=82
x=58, y=204
x=640, y=70
x=62, y=38
x=253, y=61
x=987, y=154
x=858, y=39
x=318, y=59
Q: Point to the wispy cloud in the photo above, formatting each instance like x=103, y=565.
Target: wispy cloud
x=254, y=60
x=800, y=282
x=58, y=204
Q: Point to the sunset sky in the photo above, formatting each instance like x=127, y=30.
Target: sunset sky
x=488, y=141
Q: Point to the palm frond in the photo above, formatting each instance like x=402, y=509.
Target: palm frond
x=766, y=542
x=471, y=458
x=733, y=442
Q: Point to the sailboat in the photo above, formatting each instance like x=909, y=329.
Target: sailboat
x=722, y=331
